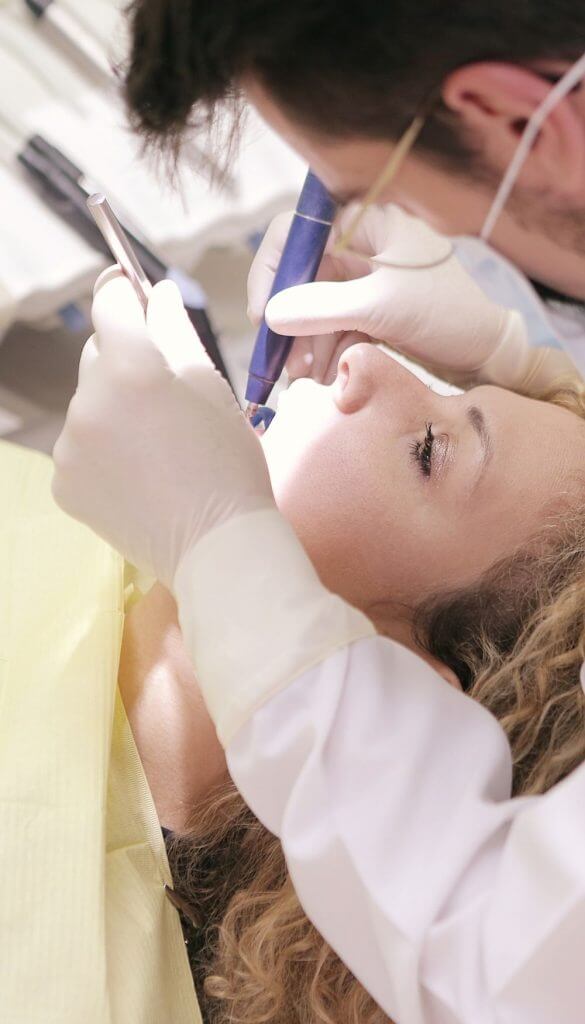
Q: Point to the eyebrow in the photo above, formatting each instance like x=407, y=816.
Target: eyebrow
x=477, y=421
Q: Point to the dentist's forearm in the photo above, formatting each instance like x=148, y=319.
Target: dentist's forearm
x=254, y=615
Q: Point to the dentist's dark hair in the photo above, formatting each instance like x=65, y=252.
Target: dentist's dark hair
x=337, y=68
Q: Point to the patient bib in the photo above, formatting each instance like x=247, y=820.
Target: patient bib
x=87, y=933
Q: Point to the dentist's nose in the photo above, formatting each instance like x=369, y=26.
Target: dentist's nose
x=357, y=378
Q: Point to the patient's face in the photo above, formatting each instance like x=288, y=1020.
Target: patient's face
x=397, y=491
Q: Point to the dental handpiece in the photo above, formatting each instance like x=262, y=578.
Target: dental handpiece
x=299, y=264
x=120, y=247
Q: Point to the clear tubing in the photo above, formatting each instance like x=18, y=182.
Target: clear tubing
x=564, y=85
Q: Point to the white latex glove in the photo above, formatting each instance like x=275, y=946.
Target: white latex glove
x=158, y=459
x=383, y=287
x=155, y=452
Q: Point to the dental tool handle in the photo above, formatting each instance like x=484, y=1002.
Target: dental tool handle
x=299, y=263
x=60, y=183
x=120, y=246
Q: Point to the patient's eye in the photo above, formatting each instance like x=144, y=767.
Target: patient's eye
x=422, y=451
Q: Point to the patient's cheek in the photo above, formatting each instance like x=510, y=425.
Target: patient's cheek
x=312, y=498
x=333, y=523
x=362, y=546
x=339, y=500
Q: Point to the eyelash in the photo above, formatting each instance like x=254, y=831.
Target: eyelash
x=422, y=451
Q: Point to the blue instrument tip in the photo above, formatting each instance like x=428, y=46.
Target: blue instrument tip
x=263, y=417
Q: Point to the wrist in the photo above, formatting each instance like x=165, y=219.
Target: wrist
x=508, y=363
x=255, y=615
x=522, y=367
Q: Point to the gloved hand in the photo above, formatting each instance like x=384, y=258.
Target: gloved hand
x=399, y=282
x=155, y=451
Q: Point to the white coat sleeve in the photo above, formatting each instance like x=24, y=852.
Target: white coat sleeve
x=390, y=792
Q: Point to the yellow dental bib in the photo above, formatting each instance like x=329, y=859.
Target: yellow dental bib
x=87, y=935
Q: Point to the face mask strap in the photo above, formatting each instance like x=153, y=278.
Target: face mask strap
x=564, y=85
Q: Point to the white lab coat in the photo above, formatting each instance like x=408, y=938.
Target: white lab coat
x=390, y=791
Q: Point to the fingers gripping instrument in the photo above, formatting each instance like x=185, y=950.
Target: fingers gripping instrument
x=299, y=263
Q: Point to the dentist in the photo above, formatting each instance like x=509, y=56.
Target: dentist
x=423, y=106
x=490, y=933
x=157, y=458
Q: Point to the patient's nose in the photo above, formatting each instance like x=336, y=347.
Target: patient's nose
x=364, y=371
x=366, y=374
x=355, y=381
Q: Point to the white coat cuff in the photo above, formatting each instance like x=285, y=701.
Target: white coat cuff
x=255, y=615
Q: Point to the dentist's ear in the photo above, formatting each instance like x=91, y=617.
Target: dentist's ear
x=494, y=102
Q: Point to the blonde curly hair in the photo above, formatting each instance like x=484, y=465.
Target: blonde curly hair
x=516, y=640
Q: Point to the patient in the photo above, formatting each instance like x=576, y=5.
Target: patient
x=458, y=525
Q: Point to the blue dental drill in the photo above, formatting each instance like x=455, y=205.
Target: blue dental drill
x=299, y=263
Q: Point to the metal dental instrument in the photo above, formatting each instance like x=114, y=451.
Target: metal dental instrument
x=63, y=186
x=71, y=35
x=299, y=264
x=121, y=249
